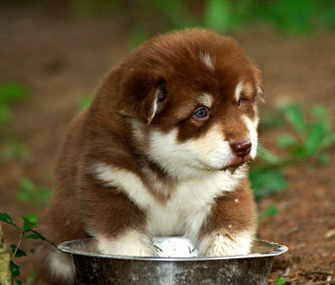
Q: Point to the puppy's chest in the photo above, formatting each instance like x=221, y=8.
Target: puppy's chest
x=188, y=205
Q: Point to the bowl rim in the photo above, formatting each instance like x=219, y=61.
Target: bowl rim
x=279, y=250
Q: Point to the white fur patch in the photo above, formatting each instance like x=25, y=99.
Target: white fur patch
x=207, y=60
x=126, y=181
x=193, y=157
x=186, y=210
x=223, y=243
x=252, y=127
x=61, y=266
x=132, y=243
x=256, y=120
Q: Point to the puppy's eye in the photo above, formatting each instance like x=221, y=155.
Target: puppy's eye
x=202, y=114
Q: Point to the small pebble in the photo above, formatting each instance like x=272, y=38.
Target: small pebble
x=236, y=201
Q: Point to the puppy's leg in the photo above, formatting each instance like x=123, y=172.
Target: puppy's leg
x=223, y=242
x=116, y=222
x=230, y=227
x=130, y=242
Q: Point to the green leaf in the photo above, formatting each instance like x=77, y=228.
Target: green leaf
x=219, y=15
x=15, y=269
x=30, y=280
x=35, y=235
x=29, y=193
x=23, y=196
x=293, y=17
x=286, y=141
x=175, y=11
x=329, y=15
x=19, y=252
x=266, y=182
x=4, y=114
x=27, y=184
x=85, y=102
x=13, y=92
x=273, y=120
x=320, y=113
x=136, y=37
x=294, y=115
x=271, y=211
x=314, y=141
x=281, y=281
x=4, y=217
x=331, y=138
x=299, y=152
x=29, y=222
x=323, y=158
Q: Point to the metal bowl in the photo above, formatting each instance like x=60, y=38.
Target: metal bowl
x=176, y=263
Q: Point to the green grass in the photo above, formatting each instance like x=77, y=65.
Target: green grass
x=312, y=133
x=149, y=17
x=11, y=92
x=306, y=135
x=30, y=193
x=270, y=211
x=85, y=102
x=267, y=181
x=280, y=281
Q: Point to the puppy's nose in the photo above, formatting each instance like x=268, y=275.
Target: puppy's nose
x=241, y=149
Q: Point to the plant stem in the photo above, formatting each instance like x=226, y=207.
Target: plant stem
x=5, y=274
x=18, y=245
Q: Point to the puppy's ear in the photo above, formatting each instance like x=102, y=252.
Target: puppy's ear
x=143, y=95
x=259, y=84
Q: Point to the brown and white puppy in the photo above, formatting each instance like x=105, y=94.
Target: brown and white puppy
x=162, y=150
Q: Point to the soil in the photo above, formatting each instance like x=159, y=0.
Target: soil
x=62, y=60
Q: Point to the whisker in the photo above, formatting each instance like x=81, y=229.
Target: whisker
x=266, y=139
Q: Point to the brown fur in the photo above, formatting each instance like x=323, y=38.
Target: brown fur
x=234, y=211
x=169, y=65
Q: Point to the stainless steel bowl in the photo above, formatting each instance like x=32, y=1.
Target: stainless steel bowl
x=177, y=263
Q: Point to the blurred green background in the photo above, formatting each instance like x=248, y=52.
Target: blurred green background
x=147, y=17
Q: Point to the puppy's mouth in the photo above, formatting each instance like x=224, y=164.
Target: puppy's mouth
x=237, y=163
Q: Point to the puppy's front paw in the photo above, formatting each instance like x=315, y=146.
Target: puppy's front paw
x=224, y=243
x=132, y=243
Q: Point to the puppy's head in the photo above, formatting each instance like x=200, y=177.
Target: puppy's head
x=191, y=97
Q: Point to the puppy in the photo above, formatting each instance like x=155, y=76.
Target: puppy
x=161, y=151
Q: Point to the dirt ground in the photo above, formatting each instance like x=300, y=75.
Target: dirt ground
x=62, y=60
